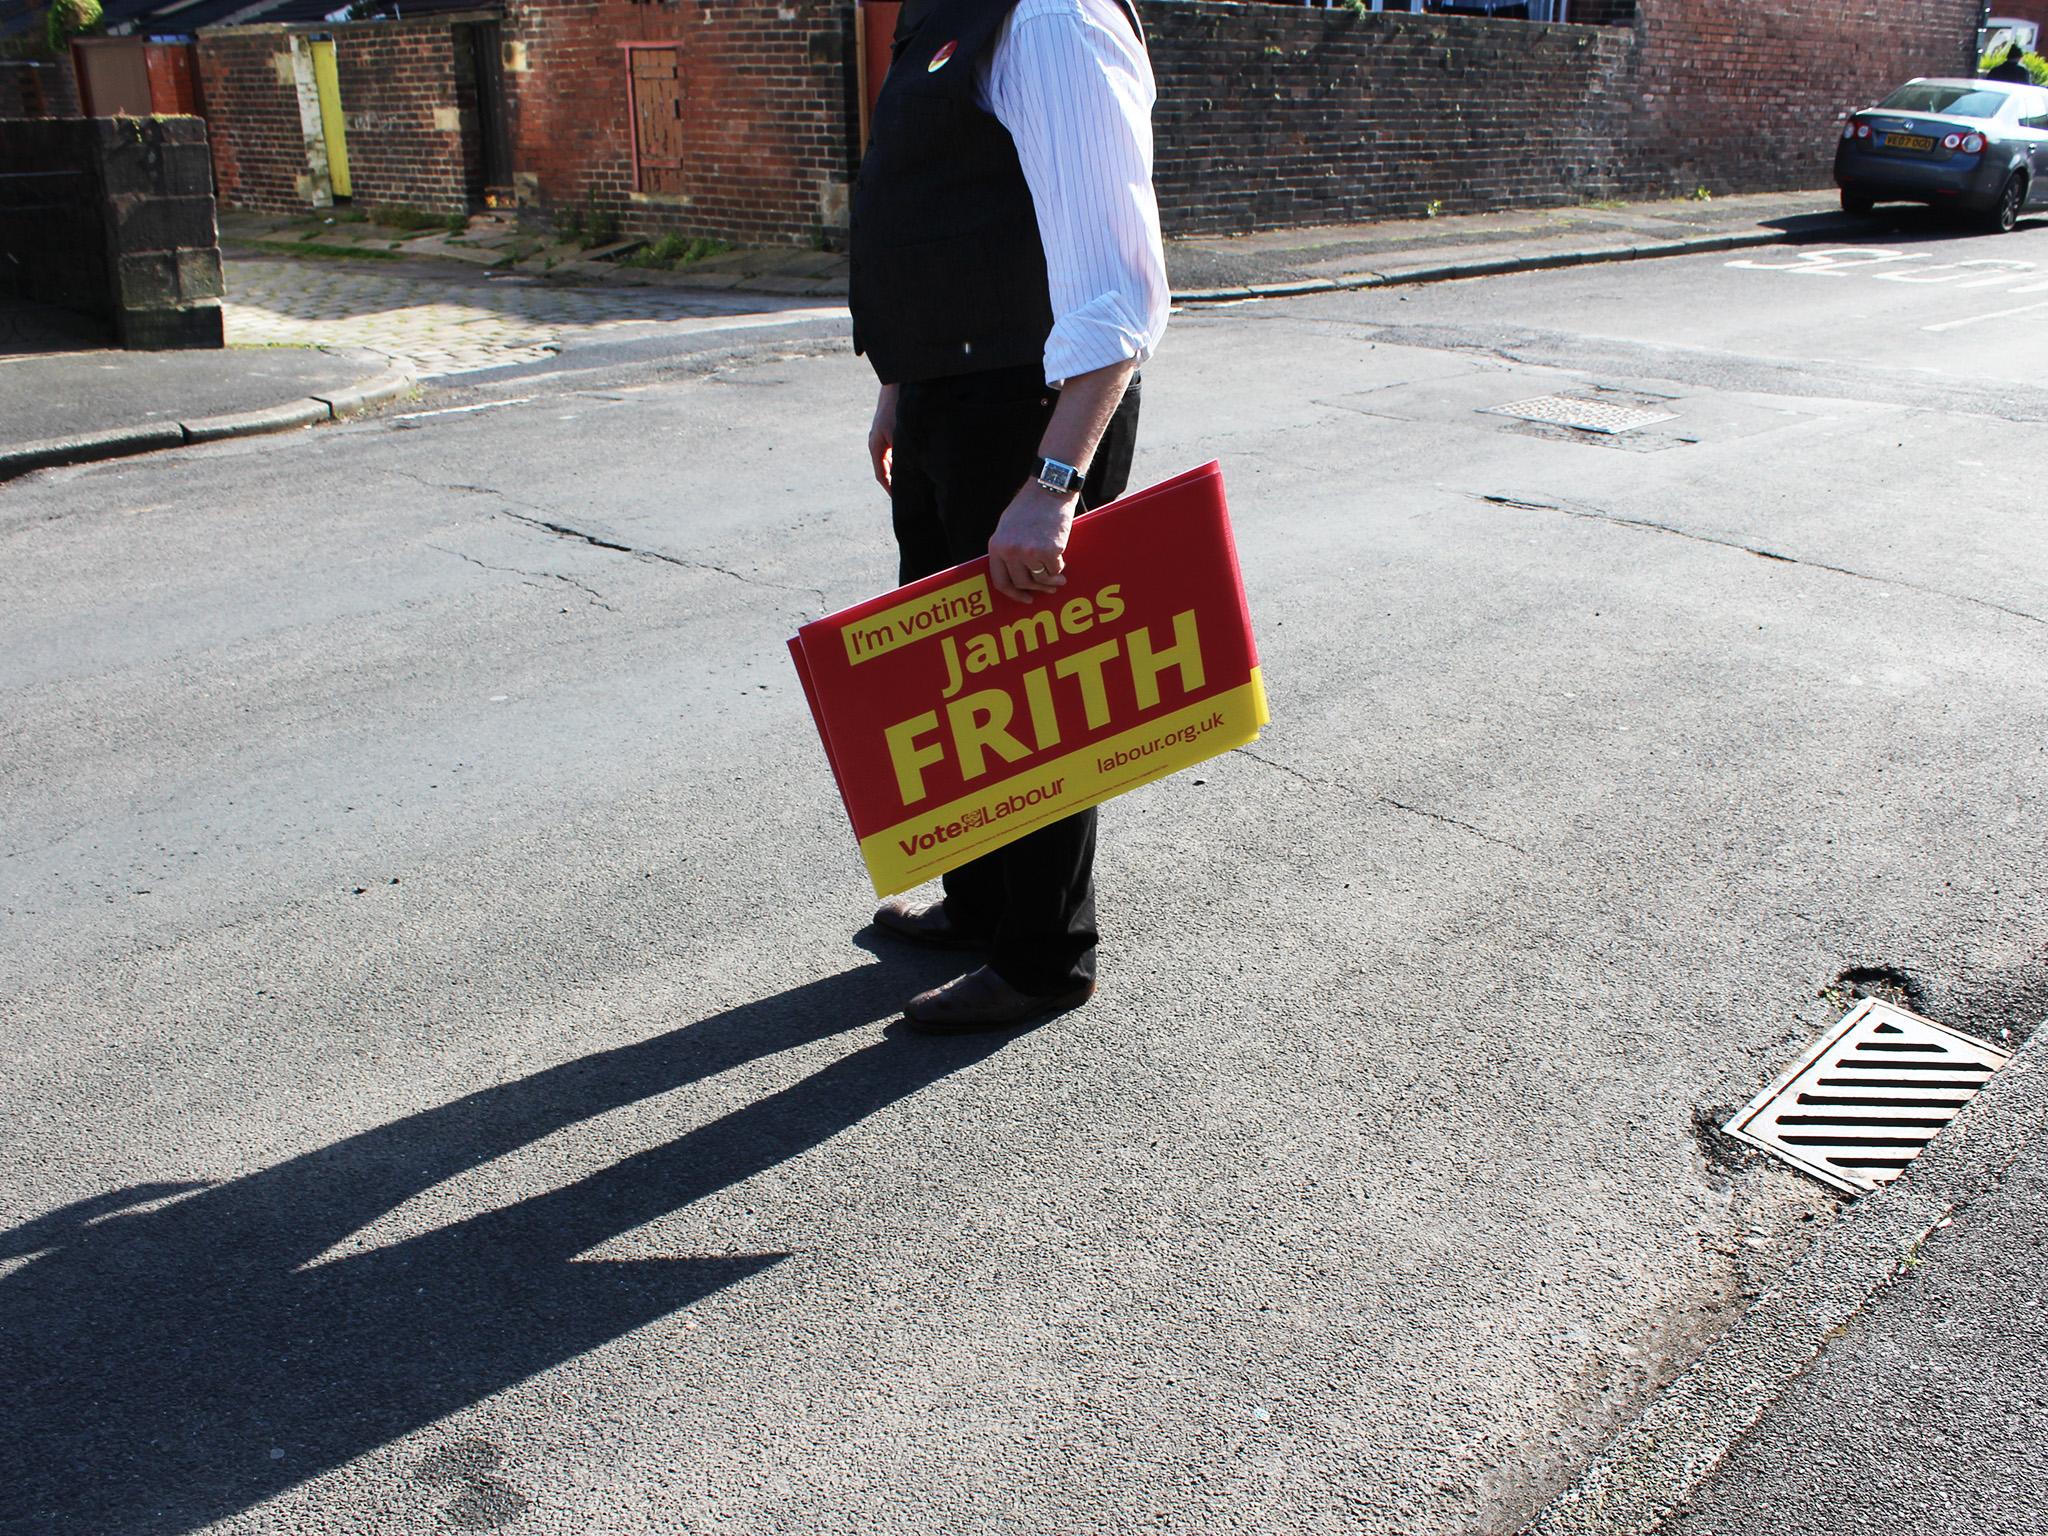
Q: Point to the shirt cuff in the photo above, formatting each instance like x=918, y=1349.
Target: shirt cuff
x=1100, y=333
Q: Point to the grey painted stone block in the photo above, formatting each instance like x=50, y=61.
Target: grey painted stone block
x=146, y=281
x=199, y=275
x=194, y=325
x=142, y=223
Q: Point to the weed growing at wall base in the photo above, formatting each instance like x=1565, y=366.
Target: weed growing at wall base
x=672, y=251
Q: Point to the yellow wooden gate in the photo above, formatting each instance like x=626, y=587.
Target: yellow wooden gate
x=328, y=83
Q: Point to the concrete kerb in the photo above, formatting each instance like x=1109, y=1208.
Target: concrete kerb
x=120, y=442
x=85, y=447
x=1652, y=1467
x=1495, y=266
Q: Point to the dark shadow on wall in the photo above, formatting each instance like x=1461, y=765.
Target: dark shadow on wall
x=157, y=1360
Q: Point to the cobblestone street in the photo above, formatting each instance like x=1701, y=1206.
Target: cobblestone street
x=440, y=321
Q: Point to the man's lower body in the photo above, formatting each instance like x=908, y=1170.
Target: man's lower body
x=962, y=449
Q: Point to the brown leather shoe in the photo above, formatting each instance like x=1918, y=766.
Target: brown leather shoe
x=983, y=1000
x=925, y=923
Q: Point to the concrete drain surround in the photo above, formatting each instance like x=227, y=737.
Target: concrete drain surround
x=1866, y=1100
x=1581, y=415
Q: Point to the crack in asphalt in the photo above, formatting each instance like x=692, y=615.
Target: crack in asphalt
x=1650, y=525
x=1386, y=800
x=595, y=596
x=1724, y=371
x=535, y=517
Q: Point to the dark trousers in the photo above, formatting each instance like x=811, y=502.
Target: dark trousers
x=963, y=448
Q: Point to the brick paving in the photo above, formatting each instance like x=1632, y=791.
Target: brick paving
x=442, y=322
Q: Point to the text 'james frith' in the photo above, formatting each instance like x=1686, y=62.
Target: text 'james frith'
x=978, y=723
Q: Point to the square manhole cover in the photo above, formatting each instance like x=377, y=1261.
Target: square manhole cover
x=1868, y=1098
x=1602, y=416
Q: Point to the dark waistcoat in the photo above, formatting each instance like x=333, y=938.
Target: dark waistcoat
x=948, y=271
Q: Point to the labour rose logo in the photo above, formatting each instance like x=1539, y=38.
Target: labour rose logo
x=939, y=59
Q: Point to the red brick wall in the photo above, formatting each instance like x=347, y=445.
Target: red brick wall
x=402, y=84
x=1271, y=116
x=767, y=114
x=38, y=88
x=399, y=85
x=1743, y=98
x=252, y=111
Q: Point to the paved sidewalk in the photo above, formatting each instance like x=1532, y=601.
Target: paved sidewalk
x=1418, y=250
x=1890, y=1383
x=1927, y=1415
x=67, y=398
x=444, y=319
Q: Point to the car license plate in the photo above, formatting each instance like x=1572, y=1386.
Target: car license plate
x=1907, y=141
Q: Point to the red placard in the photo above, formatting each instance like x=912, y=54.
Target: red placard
x=956, y=720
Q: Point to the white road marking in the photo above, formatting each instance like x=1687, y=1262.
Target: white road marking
x=1832, y=261
x=2009, y=270
x=1996, y=314
x=463, y=410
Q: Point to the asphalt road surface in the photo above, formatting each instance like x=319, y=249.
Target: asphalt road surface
x=448, y=1084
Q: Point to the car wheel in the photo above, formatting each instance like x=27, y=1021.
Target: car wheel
x=1857, y=202
x=2006, y=212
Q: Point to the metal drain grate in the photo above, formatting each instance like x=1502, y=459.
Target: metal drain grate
x=1866, y=1100
x=1582, y=415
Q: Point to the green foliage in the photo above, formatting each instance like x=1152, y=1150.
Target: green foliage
x=67, y=19
x=586, y=226
x=672, y=250
x=321, y=252
x=2001, y=51
x=399, y=216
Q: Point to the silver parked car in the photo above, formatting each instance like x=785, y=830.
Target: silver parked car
x=1978, y=145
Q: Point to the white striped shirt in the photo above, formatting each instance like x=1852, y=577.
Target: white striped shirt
x=1072, y=84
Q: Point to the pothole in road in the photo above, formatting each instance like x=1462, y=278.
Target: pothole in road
x=1886, y=983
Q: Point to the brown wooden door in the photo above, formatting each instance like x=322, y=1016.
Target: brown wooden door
x=173, y=78
x=113, y=76
x=657, y=119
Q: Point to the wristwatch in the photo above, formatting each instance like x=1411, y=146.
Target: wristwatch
x=1060, y=479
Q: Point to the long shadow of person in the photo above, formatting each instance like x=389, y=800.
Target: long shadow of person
x=157, y=1361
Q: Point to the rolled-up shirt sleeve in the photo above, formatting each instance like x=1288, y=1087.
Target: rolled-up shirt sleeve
x=1071, y=83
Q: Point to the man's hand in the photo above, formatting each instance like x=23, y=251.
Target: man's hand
x=1027, y=553
x=882, y=437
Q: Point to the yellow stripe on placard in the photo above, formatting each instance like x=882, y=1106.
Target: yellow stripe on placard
x=919, y=619
x=942, y=839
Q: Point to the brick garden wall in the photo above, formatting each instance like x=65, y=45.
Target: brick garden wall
x=1745, y=98
x=252, y=108
x=407, y=100
x=766, y=125
x=1273, y=116
x=38, y=88
x=1270, y=116
x=401, y=89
